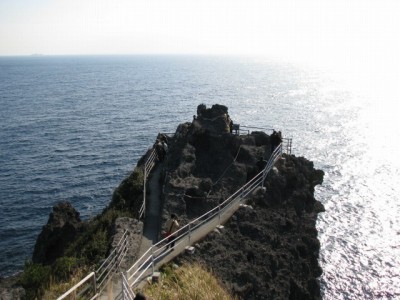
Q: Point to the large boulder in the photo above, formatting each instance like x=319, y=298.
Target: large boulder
x=61, y=229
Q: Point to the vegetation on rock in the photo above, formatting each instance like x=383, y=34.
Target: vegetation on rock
x=189, y=281
x=85, y=245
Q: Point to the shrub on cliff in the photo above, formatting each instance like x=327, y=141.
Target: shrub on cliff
x=93, y=244
x=128, y=195
x=64, y=268
x=34, y=279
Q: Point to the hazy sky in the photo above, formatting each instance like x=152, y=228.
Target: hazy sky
x=356, y=31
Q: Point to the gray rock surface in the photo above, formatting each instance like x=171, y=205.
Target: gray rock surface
x=135, y=229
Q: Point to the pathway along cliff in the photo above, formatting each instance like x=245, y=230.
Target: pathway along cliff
x=267, y=250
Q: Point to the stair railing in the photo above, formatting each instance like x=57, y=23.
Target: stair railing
x=112, y=262
x=185, y=234
x=148, y=166
x=286, y=142
x=93, y=284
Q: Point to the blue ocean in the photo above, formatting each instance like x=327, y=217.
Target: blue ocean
x=72, y=128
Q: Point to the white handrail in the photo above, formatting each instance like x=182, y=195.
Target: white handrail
x=76, y=286
x=127, y=293
x=105, y=268
x=148, y=166
x=112, y=261
x=204, y=219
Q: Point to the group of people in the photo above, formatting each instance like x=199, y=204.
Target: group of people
x=161, y=147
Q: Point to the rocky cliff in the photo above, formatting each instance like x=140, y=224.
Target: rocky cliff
x=62, y=228
x=267, y=250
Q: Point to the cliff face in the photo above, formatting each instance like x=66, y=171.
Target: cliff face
x=268, y=250
x=62, y=228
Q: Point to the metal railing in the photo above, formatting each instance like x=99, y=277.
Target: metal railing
x=194, y=230
x=287, y=145
x=148, y=166
x=85, y=288
x=286, y=142
x=112, y=262
x=126, y=290
x=92, y=285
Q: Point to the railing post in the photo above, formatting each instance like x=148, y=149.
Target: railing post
x=262, y=178
x=144, y=191
x=122, y=286
x=189, y=233
x=94, y=284
x=152, y=259
x=219, y=214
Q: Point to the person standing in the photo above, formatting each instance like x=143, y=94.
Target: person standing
x=273, y=140
x=159, y=150
x=165, y=148
x=172, y=226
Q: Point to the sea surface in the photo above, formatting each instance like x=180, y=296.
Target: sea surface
x=72, y=128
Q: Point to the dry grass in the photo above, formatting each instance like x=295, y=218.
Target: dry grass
x=56, y=289
x=190, y=281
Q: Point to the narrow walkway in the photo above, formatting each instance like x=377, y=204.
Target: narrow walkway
x=163, y=256
x=150, y=230
x=153, y=211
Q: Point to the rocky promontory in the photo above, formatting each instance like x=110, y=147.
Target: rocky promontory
x=268, y=249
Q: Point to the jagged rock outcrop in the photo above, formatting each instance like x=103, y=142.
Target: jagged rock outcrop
x=267, y=250
x=63, y=226
x=207, y=163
